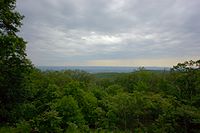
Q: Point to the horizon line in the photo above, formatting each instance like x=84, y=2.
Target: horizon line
x=97, y=66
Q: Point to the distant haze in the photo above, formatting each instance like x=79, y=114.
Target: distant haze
x=111, y=32
x=100, y=69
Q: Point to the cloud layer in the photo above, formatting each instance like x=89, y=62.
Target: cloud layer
x=115, y=32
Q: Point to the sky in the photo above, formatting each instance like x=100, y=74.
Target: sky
x=111, y=32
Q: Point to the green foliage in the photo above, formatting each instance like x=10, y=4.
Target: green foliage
x=80, y=76
x=69, y=111
x=14, y=65
x=180, y=119
x=187, y=78
x=72, y=128
x=99, y=93
x=26, y=111
x=88, y=106
x=141, y=101
x=48, y=122
x=22, y=127
x=114, y=89
x=10, y=19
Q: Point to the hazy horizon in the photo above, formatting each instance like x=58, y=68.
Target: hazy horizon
x=111, y=33
x=96, y=66
x=100, y=69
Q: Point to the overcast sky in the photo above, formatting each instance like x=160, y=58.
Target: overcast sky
x=111, y=32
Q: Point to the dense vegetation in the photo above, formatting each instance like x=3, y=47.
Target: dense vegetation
x=76, y=101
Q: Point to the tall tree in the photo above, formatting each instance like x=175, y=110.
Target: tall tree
x=188, y=78
x=13, y=62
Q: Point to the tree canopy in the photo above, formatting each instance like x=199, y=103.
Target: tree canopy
x=13, y=62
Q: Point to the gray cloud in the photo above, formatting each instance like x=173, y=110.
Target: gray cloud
x=76, y=32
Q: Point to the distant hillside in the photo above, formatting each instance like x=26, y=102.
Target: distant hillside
x=99, y=69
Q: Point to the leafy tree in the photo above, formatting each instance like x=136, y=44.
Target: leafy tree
x=183, y=118
x=13, y=62
x=187, y=77
x=48, y=122
x=69, y=111
x=89, y=105
x=114, y=89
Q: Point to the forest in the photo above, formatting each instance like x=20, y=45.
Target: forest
x=35, y=101
x=76, y=101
